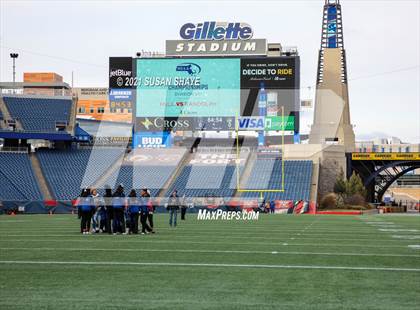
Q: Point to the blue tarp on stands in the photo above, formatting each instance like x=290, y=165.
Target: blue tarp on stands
x=81, y=135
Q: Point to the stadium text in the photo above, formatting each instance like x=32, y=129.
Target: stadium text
x=227, y=215
x=217, y=47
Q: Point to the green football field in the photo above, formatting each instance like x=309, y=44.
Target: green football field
x=277, y=262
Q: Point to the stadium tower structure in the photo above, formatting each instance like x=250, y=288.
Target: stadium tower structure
x=332, y=112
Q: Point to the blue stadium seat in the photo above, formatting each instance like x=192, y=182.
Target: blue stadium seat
x=39, y=114
x=267, y=174
x=206, y=181
x=67, y=171
x=17, y=180
x=142, y=176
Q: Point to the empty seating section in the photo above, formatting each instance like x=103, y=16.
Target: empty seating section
x=210, y=173
x=17, y=180
x=67, y=171
x=140, y=176
x=267, y=174
x=39, y=114
x=205, y=181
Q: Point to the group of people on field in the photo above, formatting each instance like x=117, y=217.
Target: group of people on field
x=114, y=213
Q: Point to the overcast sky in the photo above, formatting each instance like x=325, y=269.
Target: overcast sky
x=381, y=39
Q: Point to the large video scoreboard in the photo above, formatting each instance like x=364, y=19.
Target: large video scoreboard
x=209, y=93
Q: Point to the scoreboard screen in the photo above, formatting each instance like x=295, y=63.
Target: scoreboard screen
x=208, y=93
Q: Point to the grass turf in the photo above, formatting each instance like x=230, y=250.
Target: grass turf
x=277, y=262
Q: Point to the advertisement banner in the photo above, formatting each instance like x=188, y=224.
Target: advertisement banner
x=152, y=140
x=184, y=123
x=120, y=95
x=280, y=123
x=188, y=87
x=273, y=72
x=268, y=123
x=120, y=98
x=120, y=72
x=164, y=123
x=385, y=156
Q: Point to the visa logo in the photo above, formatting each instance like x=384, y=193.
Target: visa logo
x=251, y=123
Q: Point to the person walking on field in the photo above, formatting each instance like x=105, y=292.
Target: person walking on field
x=173, y=207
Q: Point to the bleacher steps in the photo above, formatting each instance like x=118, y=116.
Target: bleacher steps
x=6, y=116
x=4, y=112
x=246, y=174
x=172, y=179
x=72, y=119
x=39, y=175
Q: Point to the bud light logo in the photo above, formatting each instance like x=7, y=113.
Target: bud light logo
x=216, y=31
x=190, y=68
x=152, y=140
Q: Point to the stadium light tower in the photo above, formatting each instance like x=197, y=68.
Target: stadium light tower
x=14, y=56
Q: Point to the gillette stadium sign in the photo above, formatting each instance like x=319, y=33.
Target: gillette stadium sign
x=216, y=39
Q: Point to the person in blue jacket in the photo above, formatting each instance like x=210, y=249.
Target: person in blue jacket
x=133, y=211
x=85, y=206
x=272, y=207
x=118, y=206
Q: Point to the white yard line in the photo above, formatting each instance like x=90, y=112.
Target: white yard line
x=209, y=251
x=169, y=264
x=4, y=237
x=122, y=239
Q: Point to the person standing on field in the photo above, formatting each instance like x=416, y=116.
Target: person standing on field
x=118, y=205
x=109, y=209
x=183, y=208
x=144, y=212
x=150, y=208
x=96, y=211
x=133, y=210
x=85, y=205
x=173, y=207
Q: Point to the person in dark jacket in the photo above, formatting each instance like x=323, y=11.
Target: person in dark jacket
x=133, y=211
x=119, y=205
x=183, y=208
x=85, y=205
x=144, y=212
x=150, y=208
x=108, y=209
x=173, y=207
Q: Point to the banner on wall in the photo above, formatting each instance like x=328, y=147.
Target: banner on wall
x=152, y=140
